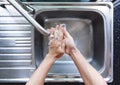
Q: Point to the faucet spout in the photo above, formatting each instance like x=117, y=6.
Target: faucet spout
x=29, y=18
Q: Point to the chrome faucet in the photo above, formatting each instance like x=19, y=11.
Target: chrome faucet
x=16, y=4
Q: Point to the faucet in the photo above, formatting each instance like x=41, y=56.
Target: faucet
x=28, y=8
x=16, y=4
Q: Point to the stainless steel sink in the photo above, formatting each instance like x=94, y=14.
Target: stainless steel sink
x=91, y=26
x=23, y=48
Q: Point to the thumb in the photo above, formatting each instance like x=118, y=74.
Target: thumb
x=65, y=32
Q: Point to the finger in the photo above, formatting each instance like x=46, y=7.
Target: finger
x=59, y=32
x=63, y=46
x=52, y=29
x=61, y=27
x=57, y=27
x=51, y=43
x=56, y=32
x=65, y=32
x=51, y=36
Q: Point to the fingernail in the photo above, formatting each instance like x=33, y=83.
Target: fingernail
x=63, y=25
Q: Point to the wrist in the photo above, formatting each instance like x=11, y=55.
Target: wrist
x=73, y=50
x=50, y=57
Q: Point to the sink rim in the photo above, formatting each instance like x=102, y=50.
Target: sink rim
x=107, y=44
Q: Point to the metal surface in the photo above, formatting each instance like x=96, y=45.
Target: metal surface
x=76, y=27
x=116, y=3
x=17, y=61
x=28, y=17
x=104, y=0
x=26, y=7
x=93, y=23
x=91, y=27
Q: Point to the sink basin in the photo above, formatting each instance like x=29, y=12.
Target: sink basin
x=90, y=24
x=84, y=30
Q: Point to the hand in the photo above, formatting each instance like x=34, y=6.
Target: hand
x=56, y=43
x=69, y=42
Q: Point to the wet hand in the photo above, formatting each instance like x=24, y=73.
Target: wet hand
x=69, y=42
x=56, y=42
